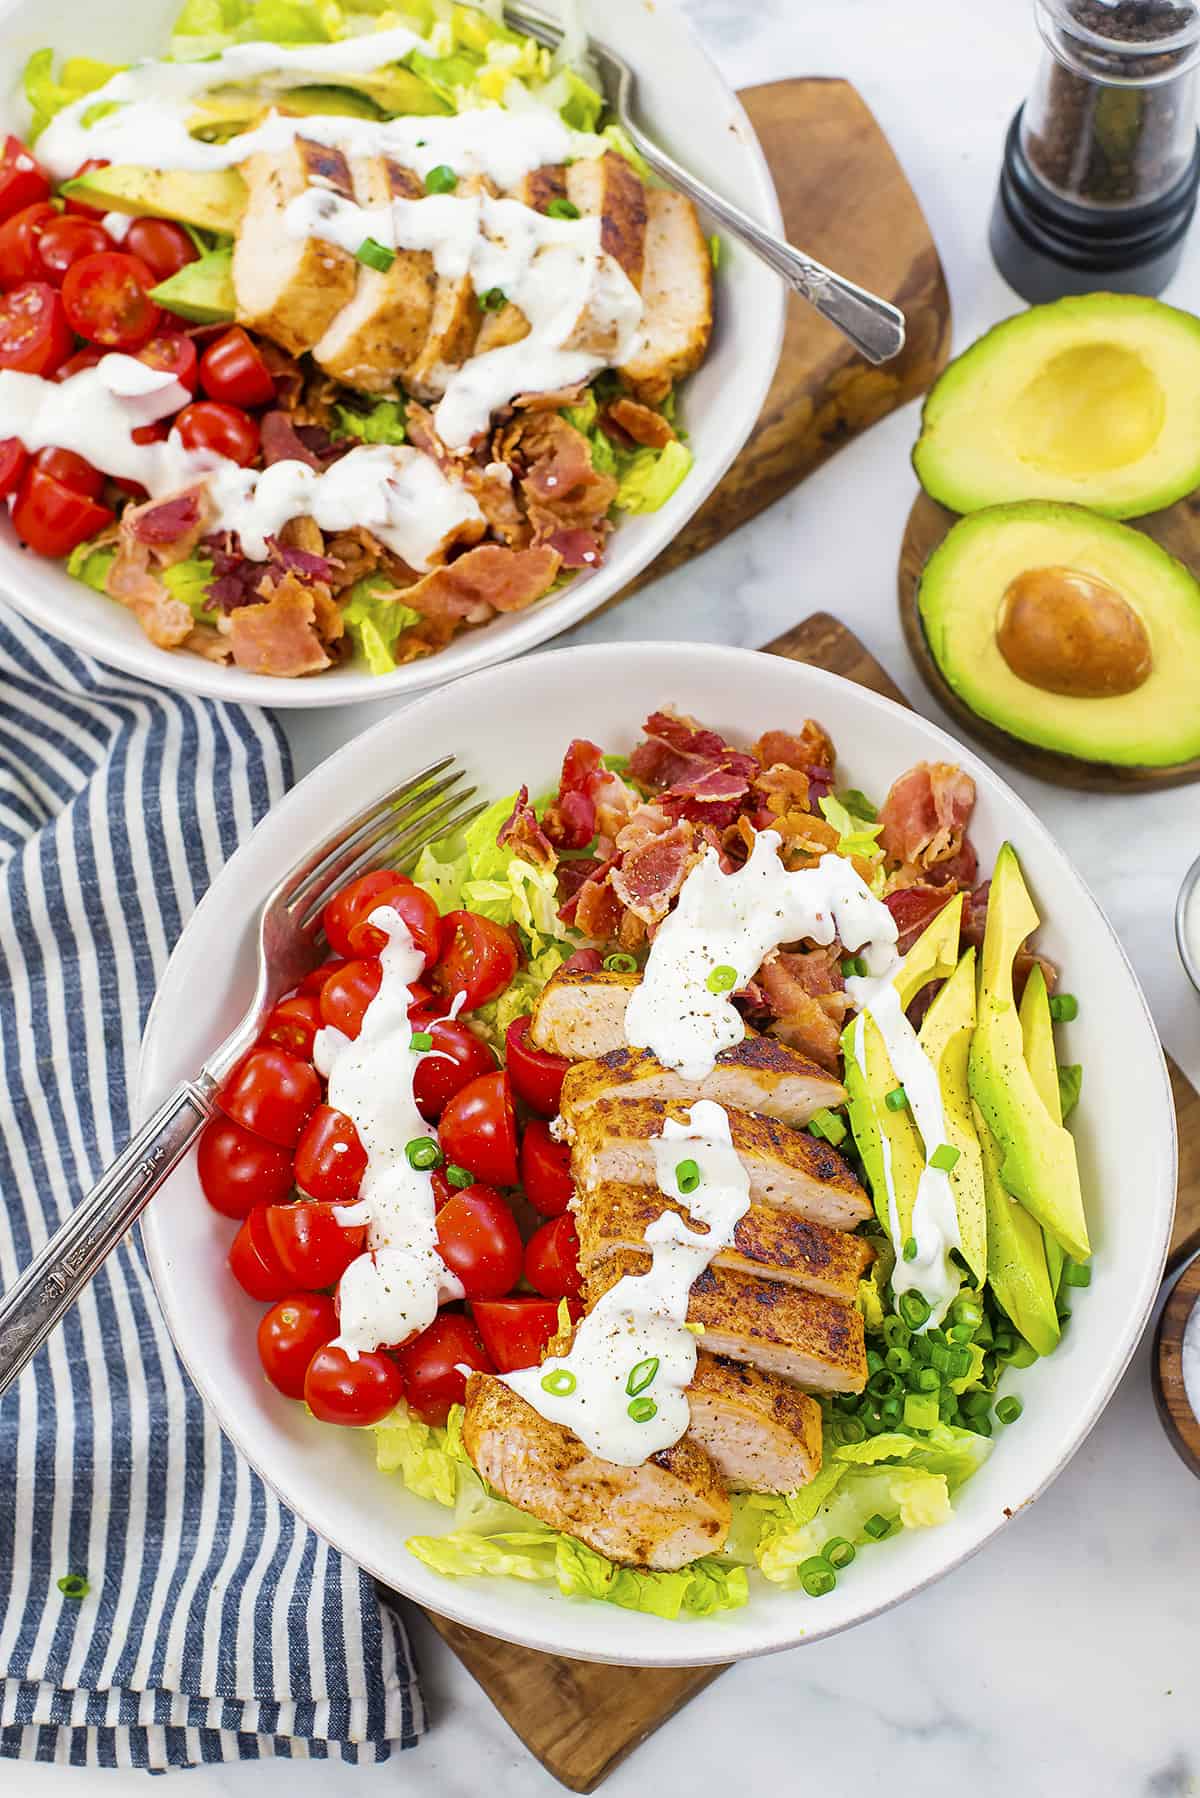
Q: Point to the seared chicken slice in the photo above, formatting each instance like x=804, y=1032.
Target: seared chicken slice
x=606, y=186
x=779, y=1329
x=762, y=1433
x=663, y=1514
x=795, y=1173
x=758, y=1074
x=766, y=1242
x=454, y=320
x=290, y=288
x=509, y=324
x=382, y=330
x=582, y=1014
x=677, y=294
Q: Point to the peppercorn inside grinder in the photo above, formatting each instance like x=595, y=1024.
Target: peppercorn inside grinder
x=1102, y=163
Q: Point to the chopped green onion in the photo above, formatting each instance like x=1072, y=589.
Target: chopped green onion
x=421, y=1040
x=423, y=1152
x=441, y=180
x=459, y=1176
x=967, y=1311
x=687, y=1175
x=838, y=1552
x=874, y=1360
x=945, y=1158
x=883, y=1383
x=620, y=964
x=877, y=1527
x=562, y=209
x=561, y=1383
x=897, y=1099
x=891, y=1411
x=910, y=1249
x=982, y=1426
x=828, y=1124
x=373, y=254
x=854, y=967
x=642, y=1376
x=925, y=1379
x=1064, y=1316
x=1005, y=1344
x=873, y=1423
x=714, y=250
x=1064, y=1007
x=1075, y=1273
x=913, y=1309
x=852, y=1429
x=920, y=1410
x=936, y=1335
x=846, y=1401
x=898, y=1359
x=817, y=1576
x=977, y=1404
x=1009, y=1409
x=74, y=1585
x=959, y=1362
x=1024, y=1355
x=723, y=979
x=494, y=300
x=896, y=1333
x=961, y=1333
x=642, y=1409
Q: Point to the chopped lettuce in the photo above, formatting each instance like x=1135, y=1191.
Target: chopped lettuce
x=79, y=75
x=190, y=581
x=650, y=477
x=618, y=139
x=375, y=615
x=90, y=563
x=472, y=871
x=381, y=423
x=1070, y=1085
x=856, y=835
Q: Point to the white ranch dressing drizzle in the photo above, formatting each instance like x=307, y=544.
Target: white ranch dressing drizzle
x=640, y=1321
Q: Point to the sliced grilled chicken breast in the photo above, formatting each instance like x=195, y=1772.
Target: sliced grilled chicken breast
x=761, y=1433
x=611, y=1140
x=663, y=1514
x=768, y=1243
x=758, y=1074
x=606, y=186
x=509, y=324
x=382, y=330
x=582, y=1014
x=290, y=288
x=677, y=294
x=453, y=323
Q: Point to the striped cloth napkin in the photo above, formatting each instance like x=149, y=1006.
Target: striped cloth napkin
x=214, y=1625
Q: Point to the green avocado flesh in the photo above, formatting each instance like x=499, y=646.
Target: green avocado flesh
x=213, y=200
x=202, y=290
x=960, y=598
x=1092, y=399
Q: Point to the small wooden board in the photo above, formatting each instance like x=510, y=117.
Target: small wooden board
x=1170, y=1394
x=1177, y=530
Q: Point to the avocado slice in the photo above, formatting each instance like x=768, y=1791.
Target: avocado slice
x=213, y=200
x=1037, y=1037
x=200, y=290
x=1069, y=631
x=1016, y=1248
x=945, y=1035
x=1038, y=1155
x=1092, y=399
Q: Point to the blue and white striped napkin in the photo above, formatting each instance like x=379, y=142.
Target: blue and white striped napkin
x=215, y=1625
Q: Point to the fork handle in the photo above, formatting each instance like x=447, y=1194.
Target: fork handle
x=56, y=1276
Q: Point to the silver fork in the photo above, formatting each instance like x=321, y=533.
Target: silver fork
x=387, y=834
x=874, y=326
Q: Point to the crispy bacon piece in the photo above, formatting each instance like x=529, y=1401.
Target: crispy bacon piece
x=584, y=961
x=682, y=761
x=279, y=635
x=284, y=441
x=914, y=909
x=592, y=800
x=578, y=548
x=524, y=835
x=595, y=909
x=638, y=423
x=552, y=465
x=811, y=747
x=648, y=878
x=805, y=994
x=925, y=815
x=492, y=490
x=482, y=582
x=167, y=523
x=151, y=537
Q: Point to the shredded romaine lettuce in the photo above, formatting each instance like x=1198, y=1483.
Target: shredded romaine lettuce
x=190, y=581
x=375, y=615
x=90, y=563
x=473, y=872
x=1070, y=1085
x=79, y=75
x=856, y=835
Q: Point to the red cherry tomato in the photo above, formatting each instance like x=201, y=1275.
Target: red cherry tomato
x=311, y=1246
x=429, y=1365
x=536, y=1075
x=443, y=1189
x=545, y=1170
x=204, y=425
x=232, y=369
x=75, y=365
x=34, y=334
x=435, y=1081
x=175, y=354
x=344, y=919
x=22, y=181
x=312, y=983
x=13, y=460
x=339, y=1390
x=51, y=518
x=80, y=207
x=290, y=1334
x=271, y=1093
x=347, y=993
x=163, y=246
x=478, y=1130
x=478, y=958
x=254, y=1263
x=63, y=241
x=19, y=239
x=238, y=1170
x=515, y=1332
x=107, y=298
x=71, y=471
x=479, y=1241
x=552, y=1258
x=330, y=1159
x=293, y=1024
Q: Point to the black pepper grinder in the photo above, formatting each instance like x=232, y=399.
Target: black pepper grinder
x=1102, y=162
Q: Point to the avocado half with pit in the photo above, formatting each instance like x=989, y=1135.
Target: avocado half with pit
x=1093, y=400
x=1069, y=631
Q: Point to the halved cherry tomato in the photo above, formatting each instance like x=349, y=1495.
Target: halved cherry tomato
x=63, y=241
x=545, y=1170
x=175, y=354
x=87, y=357
x=552, y=1258
x=536, y=1075
x=271, y=1093
x=515, y=1332
x=107, y=298
x=238, y=1170
x=19, y=239
x=479, y=1241
x=51, y=518
x=80, y=207
x=293, y=1024
x=435, y=1079
x=232, y=369
x=13, y=459
x=443, y=1190
x=344, y=919
x=163, y=246
x=71, y=470
x=34, y=334
x=347, y=993
x=478, y=1130
x=430, y=1363
x=289, y=1335
x=312, y=983
x=311, y=1246
x=22, y=180
x=254, y=1263
x=330, y=1159
x=339, y=1390
x=478, y=958
x=204, y=425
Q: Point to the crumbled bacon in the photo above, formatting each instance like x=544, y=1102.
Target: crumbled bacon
x=595, y=910
x=584, y=961
x=804, y=992
x=522, y=833
x=149, y=538
x=914, y=909
x=279, y=635
x=283, y=441
x=578, y=548
x=482, y=582
x=807, y=749
x=592, y=800
x=697, y=774
x=637, y=423
x=166, y=522
x=491, y=487
x=650, y=876
x=285, y=371
x=552, y=467
x=925, y=815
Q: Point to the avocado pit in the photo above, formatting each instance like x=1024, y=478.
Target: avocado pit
x=1072, y=633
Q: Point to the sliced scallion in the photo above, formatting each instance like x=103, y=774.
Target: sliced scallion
x=816, y=1576
x=910, y=1248
x=441, y=180
x=854, y=967
x=620, y=963
x=945, y=1158
x=1076, y=1273
x=877, y=1527
x=423, y=1153
x=74, y=1585
x=1064, y=1007
x=420, y=1041
x=494, y=300
x=642, y=1409
x=897, y=1099
x=373, y=254
x=828, y=1124
x=642, y=1376
x=1009, y=1409
x=687, y=1175
x=562, y=209
x=560, y=1383
x=913, y=1309
x=723, y=979
x=459, y=1176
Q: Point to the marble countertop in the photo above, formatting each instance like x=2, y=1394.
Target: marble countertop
x=1065, y=1659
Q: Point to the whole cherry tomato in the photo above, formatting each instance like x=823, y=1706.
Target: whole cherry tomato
x=361, y=1392
x=330, y=1159
x=515, y=1332
x=163, y=246
x=293, y=1024
x=430, y=1363
x=239, y=1170
x=253, y=1261
x=232, y=369
x=52, y=518
x=536, y=1075
x=71, y=470
x=22, y=180
x=81, y=207
x=478, y=958
x=552, y=1259
x=175, y=354
x=63, y=241
x=545, y=1170
x=311, y=1246
x=289, y=1335
x=19, y=239
x=479, y=1241
x=271, y=1093
x=107, y=298
x=457, y=1056
x=478, y=1130
x=34, y=333
x=13, y=460
x=312, y=983
x=347, y=993
x=344, y=919
x=204, y=425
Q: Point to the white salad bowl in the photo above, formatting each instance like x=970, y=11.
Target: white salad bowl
x=687, y=107
x=510, y=725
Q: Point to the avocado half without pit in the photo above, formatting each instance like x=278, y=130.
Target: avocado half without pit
x=1069, y=631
